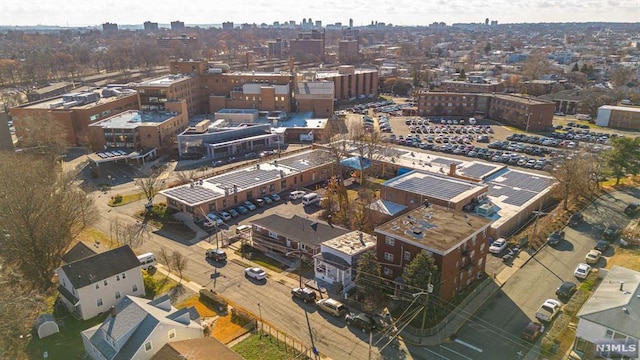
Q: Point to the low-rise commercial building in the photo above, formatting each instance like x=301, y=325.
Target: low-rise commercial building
x=619, y=117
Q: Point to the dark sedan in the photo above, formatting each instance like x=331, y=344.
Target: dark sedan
x=361, y=321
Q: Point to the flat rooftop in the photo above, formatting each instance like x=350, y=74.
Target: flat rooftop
x=621, y=108
x=164, y=81
x=46, y=104
x=134, y=118
x=328, y=74
x=352, y=243
x=252, y=176
x=435, y=186
x=237, y=111
x=438, y=229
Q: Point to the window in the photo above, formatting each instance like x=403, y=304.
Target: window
x=134, y=288
x=389, y=241
x=388, y=256
x=105, y=283
x=482, y=247
x=117, y=277
x=387, y=272
x=124, y=275
x=100, y=302
x=302, y=246
x=172, y=333
x=94, y=117
x=147, y=346
x=407, y=255
x=118, y=295
x=97, y=286
x=273, y=235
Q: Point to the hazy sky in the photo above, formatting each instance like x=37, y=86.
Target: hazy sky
x=397, y=12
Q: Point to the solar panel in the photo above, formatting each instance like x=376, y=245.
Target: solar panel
x=121, y=152
x=192, y=195
x=102, y=155
x=516, y=187
x=431, y=186
x=306, y=161
x=477, y=170
x=445, y=161
x=245, y=179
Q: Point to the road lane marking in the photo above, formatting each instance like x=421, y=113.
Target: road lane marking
x=472, y=347
x=436, y=354
x=455, y=352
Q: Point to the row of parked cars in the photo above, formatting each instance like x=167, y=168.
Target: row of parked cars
x=335, y=308
x=217, y=219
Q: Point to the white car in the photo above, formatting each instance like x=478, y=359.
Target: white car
x=294, y=195
x=582, y=271
x=256, y=273
x=498, y=246
x=593, y=256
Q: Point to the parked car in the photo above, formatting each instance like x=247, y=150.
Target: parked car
x=532, y=331
x=275, y=197
x=498, y=246
x=249, y=205
x=592, y=257
x=566, y=290
x=582, y=271
x=575, y=220
x=295, y=195
x=555, y=238
x=216, y=254
x=304, y=294
x=255, y=273
x=250, y=155
x=361, y=321
x=259, y=202
x=241, y=209
x=612, y=232
x=549, y=309
x=602, y=246
x=214, y=219
x=632, y=209
x=331, y=306
x=225, y=216
x=233, y=212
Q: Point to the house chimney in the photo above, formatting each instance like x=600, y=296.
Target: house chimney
x=361, y=237
x=112, y=311
x=621, y=285
x=452, y=169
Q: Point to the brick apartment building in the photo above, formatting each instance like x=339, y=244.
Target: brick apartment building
x=526, y=113
x=156, y=93
x=457, y=241
x=471, y=87
x=350, y=83
x=307, y=44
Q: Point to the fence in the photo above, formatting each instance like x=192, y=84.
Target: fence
x=299, y=350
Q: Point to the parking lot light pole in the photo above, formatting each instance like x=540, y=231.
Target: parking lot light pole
x=261, y=323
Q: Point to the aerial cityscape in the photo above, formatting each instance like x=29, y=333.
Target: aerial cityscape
x=372, y=181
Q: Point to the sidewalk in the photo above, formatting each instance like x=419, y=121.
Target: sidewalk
x=484, y=291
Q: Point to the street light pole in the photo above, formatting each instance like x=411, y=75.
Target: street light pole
x=426, y=300
x=261, y=323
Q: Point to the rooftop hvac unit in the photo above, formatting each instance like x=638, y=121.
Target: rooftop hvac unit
x=486, y=209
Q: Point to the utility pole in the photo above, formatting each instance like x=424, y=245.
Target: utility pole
x=424, y=310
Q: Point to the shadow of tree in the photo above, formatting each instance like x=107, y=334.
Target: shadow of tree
x=176, y=292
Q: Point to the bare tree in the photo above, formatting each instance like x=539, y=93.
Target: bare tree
x=179, y=263
x=125, y=232
x=149, y=183
x=186, y=176
x=536, y=66
x=41, y=212
x=573, y=176
x=165, y=258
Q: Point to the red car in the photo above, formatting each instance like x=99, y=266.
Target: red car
x=532, y=331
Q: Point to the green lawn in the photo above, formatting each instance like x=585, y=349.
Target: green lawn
x=67, y=344
x=265, y=348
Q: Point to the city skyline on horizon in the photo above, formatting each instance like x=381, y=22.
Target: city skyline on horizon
x=74, y=13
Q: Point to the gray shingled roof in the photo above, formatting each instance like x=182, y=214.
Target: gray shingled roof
x=78, y=252
x=299, y=229
x=100, y=266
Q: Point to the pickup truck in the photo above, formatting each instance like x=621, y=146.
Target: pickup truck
x=548, y=310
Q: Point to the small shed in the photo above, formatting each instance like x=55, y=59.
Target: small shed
x=46, y=325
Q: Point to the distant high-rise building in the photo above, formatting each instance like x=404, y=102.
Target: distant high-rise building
x=150, y=26
x=351, y=23
x=227, y=25
x=486, y=21
x=494, y=22
x=109, y=27
x=308, y=43
x=275, y=48
x=177, y=25
x=318, y=23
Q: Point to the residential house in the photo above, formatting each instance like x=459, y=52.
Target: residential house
x=196, y=349
x=337, y=261
x=91, y=285
x=290, y=236
x=611, y=313
x=457, y=241
x=138, y=328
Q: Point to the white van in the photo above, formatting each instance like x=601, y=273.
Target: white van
x=310, y=198
x=472, y=121
x=147, y=261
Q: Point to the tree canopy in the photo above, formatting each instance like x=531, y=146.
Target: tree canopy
x=624, y=157
x=421, y=271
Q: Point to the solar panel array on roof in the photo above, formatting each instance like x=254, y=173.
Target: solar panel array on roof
x=306, y=161
x=434, y=187
x=444, y=161
x=245, y=179
x=110, y=154
x=477, y=170
x=192, y=195
x=517, y=188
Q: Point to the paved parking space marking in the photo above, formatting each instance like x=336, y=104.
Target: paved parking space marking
x=472, y=347
x=455, y=352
